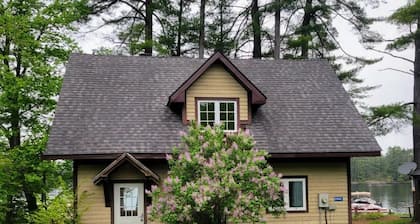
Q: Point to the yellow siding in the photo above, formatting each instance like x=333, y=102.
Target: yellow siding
x=91, y=201
x=328, y=178
x=126, y=172
x=217, y=82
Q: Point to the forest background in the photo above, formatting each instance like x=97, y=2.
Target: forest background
x=38, y=36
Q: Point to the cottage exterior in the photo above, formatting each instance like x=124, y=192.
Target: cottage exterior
x=118, y=117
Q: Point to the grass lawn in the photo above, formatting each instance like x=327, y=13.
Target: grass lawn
x=378, y=218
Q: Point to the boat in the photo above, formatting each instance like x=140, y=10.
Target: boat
x=361, y=202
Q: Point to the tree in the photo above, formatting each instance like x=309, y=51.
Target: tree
x=135, y=24
x=33, y=46
x=216, y=178
x=384, y=168
x=256, y=29
x=409, y=16
x=202, y=28
x=277, y=23
x=220, y=26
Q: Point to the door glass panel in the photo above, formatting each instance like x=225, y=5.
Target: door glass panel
x=128, y=201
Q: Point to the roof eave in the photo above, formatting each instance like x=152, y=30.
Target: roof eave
x=110, y=156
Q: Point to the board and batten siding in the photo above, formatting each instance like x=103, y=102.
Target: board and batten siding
x=91, y=200
x=322, y=177
x=216, y=82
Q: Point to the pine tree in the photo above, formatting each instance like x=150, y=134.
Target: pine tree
x=409, y=16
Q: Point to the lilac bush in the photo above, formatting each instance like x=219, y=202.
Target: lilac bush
x=216, y=178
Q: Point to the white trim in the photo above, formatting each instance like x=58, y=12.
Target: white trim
x=286, y=196
x=217, y=111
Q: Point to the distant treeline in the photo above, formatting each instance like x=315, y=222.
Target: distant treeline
x=383, y=168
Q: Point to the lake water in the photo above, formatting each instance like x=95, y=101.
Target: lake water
x=393, y=196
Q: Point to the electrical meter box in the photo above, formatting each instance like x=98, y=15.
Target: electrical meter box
x=323, y=200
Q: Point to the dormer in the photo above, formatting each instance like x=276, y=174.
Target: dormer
x=217, y=92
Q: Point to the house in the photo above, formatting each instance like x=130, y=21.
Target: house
x=119, y=116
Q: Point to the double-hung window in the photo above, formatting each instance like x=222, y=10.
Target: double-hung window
x=212, y=112
x=295, y=193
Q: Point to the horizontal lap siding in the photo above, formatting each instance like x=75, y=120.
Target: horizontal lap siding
x=217, y=82
x=328, y=178
x=91, y=201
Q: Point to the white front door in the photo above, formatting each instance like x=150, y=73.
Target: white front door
x=129, y=203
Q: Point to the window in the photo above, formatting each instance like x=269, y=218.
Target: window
x=212, y=112
x=128, y=201
x=294, y=194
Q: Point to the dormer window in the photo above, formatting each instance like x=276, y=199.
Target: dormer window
x=212, y=112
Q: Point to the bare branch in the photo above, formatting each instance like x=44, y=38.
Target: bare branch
x=392, y=55
x=397, y=70
x=136, y=9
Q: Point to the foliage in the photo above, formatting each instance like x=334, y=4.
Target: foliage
x=215, y=178
x=379, y=218
x=382, y=168
x=59, y=209
x=373, y=215
x=34, y=44
x=386, y=118
x=407, y=15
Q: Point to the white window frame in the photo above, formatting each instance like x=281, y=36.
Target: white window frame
x=217, y=112
x=286, y=197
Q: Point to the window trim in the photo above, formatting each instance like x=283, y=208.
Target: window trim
x=286, y=199
x=217, y=102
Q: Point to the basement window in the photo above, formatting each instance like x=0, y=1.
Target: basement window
x=211, y=112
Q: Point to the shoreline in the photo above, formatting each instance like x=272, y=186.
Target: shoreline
x=380, y=182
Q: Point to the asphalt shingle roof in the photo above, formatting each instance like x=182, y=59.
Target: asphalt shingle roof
x=116, y=104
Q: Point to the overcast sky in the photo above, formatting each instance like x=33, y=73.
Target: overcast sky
x=394, y=86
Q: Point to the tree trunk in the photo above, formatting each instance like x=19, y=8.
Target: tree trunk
x=9, y=213
x=256, y=28
x=277, y=30
x=202, y=25
x=304, y=28
x=220, y=44
x=149, y=28
x=30, y=200
x=178, y=44
x=416, y=124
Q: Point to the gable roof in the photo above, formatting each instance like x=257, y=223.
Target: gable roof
x=114, y=104
x=257, y=97
x=123, y=158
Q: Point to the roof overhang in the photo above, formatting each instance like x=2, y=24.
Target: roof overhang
x=122, y=159
x=160, y=156
x=257, y=97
